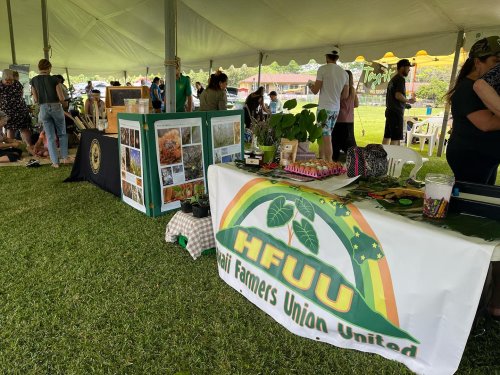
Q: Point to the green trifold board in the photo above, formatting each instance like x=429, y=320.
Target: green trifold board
x=164, y=157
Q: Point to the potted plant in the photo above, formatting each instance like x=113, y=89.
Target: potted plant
x=301, y=126
x=186, y=206
x=200, y=205
x=265, y=137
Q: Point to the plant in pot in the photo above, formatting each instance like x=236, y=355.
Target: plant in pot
x=301, y=126
x=265, y=137
x=186, y=206
x=200, y=205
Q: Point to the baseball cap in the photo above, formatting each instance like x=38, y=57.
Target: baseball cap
x=334, y=51
x=403, y=62
x=489, y=46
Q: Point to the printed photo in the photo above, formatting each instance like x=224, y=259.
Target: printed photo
x=183, y=191
x=223, y=135
x=186, y=135
x=196, y=134
x=237, y=132
x=137, y=140
x=132, y=138
x=127, y=136
x=138, y=181
x=123, y=136
x=139, y=196
x=127, y=189
x=178, y=169
x=124, y=174
x=135, y=162
x=166, y=176
x=169, y=145
x=193, y=162
x=124, y=158
x=127, y=159
x=134, y=193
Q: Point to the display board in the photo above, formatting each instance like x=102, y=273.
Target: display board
x=226, y=136
x=165, y=156
x=181, y=157
x=133, y=164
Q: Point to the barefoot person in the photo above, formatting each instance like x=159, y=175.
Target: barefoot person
x=48, y=93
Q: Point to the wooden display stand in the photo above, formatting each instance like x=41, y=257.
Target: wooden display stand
x=115, y=104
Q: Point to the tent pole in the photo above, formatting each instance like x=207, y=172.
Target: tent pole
x=170, y=21
x=69, y=83
x=11, y=31
x=459, y=45
x=45, y=30
x=210, y=68
x=261, y=56
x=125, y=76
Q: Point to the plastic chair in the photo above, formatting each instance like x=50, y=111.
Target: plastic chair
x=398, y=156
x=424, y=130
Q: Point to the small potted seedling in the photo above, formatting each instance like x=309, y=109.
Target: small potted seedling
x=186, y=205
x=201, y=207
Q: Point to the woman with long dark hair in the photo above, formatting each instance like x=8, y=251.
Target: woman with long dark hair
x=214, y=97
x=473, y=151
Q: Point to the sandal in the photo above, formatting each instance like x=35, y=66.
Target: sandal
x=55, y=165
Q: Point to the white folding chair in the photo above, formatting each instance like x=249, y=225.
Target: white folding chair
x=398, y=156
x=424, y=130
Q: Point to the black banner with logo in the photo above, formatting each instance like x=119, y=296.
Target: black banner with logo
x=97, y=161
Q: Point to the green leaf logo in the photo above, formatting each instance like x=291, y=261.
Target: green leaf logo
x=306, y=235
x=305, y=208
x=279, y=213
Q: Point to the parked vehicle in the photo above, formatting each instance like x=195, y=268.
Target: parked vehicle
x=232, y=96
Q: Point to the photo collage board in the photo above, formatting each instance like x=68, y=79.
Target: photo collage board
x=131, y=164
x=226, y=138
x=181, y=161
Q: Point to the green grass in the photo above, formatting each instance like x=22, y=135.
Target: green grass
x=88, y=285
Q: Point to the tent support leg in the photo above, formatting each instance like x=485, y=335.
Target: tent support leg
x=69, y=82
x=170, y=21
x=45, y=30
x=125, y=76
x=11, y=32
x=261, y=56
x=459, y=45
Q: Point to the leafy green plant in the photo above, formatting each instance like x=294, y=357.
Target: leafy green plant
x=301, y=126
x=264, y=132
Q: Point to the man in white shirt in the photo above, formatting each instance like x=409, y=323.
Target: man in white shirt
x=332, y=83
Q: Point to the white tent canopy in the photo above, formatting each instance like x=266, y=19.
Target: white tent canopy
x=113, y=36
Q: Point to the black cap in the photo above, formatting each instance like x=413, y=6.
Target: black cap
x=489, y=46
x=273, y=93
x=404, y=62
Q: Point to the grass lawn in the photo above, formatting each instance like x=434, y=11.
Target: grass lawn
x=88, y=285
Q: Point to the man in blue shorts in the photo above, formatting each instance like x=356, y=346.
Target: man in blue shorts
x=332, y=83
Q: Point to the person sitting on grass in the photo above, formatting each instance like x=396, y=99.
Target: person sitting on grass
x=9, y=148
x=41, y=147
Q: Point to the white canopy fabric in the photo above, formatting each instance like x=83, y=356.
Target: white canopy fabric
x=113, y=36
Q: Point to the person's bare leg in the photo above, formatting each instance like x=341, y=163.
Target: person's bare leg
x=386, y=141
x=26, y=136
x=4, y=159
x=495, y=299
x=325, y=149
x=395, y=142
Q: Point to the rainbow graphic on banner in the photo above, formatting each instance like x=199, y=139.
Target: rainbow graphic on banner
x=371, y=271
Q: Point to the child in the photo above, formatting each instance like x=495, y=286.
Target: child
x=41, y=147
x=9, y=148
